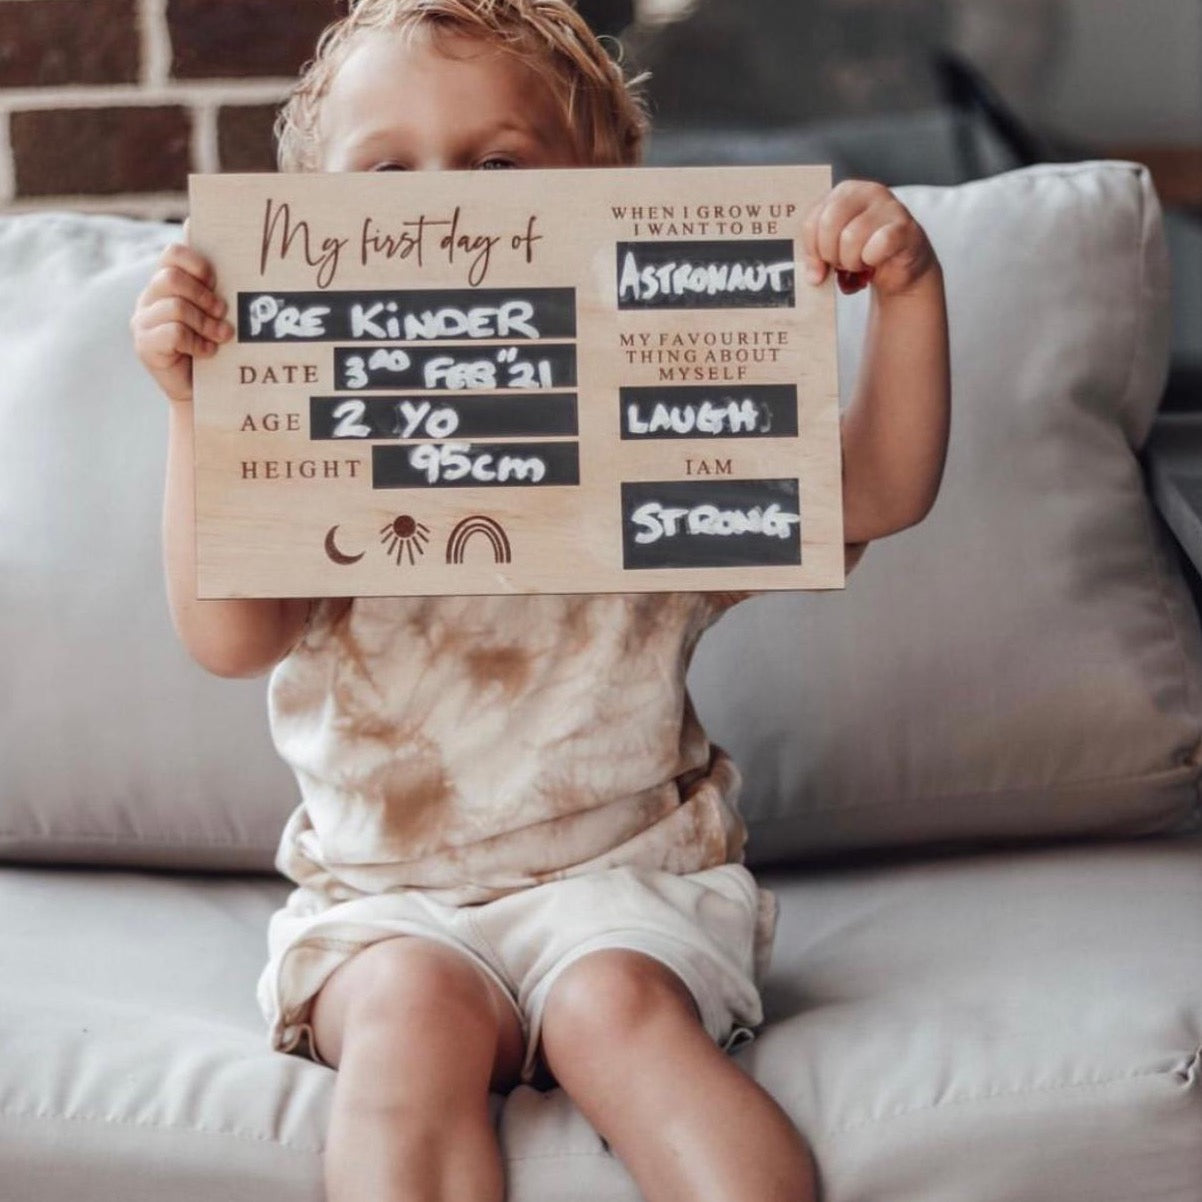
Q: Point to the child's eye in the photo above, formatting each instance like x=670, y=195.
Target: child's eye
x=496, y=162
x=389, y=167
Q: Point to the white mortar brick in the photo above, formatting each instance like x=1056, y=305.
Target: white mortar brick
x=8, y=183
x=231, y=91
x=156, y=42
x=205, y=152
x=159, y=206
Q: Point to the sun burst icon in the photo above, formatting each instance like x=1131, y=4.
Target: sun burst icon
x=405, y=536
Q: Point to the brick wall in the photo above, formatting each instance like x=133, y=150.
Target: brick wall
x=106, y=105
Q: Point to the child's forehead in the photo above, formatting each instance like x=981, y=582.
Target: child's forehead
x=425, y=46
x=381, y=69
x=377, y=61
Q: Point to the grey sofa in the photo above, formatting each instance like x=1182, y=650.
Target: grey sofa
x=971, y=777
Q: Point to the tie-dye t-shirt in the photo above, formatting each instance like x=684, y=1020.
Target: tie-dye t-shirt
x=473, y=745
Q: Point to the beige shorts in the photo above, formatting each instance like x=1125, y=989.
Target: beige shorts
x=713, y=928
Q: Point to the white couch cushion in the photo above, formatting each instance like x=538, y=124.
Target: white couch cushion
x=114, y=745
x=1004, y=1028
x=1024, y=663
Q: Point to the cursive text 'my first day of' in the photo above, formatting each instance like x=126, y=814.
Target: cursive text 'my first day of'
x=418, y=239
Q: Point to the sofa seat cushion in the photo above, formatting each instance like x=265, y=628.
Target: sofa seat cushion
x=1009, y=1027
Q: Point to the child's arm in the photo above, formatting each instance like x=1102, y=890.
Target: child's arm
x=895, y=430
x=177, y=317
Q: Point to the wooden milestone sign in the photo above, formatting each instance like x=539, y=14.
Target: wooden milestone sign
x=536, y=381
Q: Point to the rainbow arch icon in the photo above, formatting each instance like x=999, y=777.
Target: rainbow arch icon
x=477, y=523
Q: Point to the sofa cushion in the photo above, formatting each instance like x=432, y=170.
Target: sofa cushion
x=1004, y=1028
x=1024, y=663
x=114, y=745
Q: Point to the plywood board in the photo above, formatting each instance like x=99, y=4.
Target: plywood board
x=560, y=381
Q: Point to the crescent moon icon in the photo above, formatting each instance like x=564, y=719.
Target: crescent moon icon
x=336, y=555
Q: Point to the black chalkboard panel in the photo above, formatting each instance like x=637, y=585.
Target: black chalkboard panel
x=475, y=464
x=440, y=417
x=706, y=275
x=455, y=368
x=702, y=411
x=710, y=523
x=423, y=315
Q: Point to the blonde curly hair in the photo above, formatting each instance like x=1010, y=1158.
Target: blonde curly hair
x=605, y=111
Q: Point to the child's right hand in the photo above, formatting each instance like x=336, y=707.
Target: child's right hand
x=178, y=316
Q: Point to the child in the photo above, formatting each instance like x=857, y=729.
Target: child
x=517, y=853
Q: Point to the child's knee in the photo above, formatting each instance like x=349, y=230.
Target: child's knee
x=401, y=990
x=612, y=989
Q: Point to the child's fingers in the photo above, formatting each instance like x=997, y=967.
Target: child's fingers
x=177, y=254
x=824, y=233
x=162, y=345
x=853, y=238
x=834, y=219
x=884, y=243
x=837, y=227
x=178, y=309
x=809, y=241
x=815, y=271
x=175, y=281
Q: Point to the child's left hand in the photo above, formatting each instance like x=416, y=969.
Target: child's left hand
x=866, y=234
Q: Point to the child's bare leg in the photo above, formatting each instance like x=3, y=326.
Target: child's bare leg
x=418, y=1035
x=623, y=1037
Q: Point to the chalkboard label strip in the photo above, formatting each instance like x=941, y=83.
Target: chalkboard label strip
x=701, y=411
x=710, y=524
x=475, y=464
x=439, y=416
x=421, y=315
x=744, y=274
x=456, y=369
